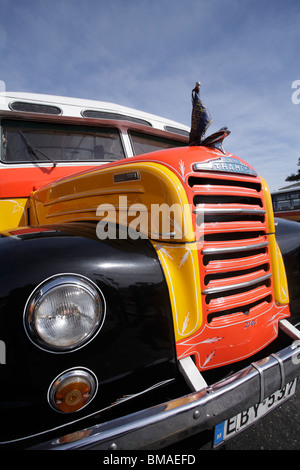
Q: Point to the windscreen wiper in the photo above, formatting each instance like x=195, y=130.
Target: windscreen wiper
x=34, y=151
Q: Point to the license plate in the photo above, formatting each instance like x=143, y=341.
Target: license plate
x=232, y=426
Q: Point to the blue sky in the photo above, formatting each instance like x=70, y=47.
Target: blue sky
x=148, y=55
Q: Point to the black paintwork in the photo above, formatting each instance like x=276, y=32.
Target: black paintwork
x=288, y=239
x=135, y=348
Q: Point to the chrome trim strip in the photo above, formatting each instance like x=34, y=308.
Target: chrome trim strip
x=234, y=249
x=77, y=420
x=261, y=381
x=281, y=367
x=166, y=423
x=229, y=211
x=240, y=285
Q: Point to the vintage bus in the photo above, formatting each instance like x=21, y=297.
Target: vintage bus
x=286, y=202
x=142, y=337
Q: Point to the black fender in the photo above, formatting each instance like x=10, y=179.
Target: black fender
x=288, y=239
x=133, y=352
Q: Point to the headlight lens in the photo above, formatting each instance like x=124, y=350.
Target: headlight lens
x=64, y=313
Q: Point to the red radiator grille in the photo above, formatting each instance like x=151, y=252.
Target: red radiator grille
x=229, y=215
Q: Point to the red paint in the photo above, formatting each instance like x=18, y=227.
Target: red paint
x=19, y=182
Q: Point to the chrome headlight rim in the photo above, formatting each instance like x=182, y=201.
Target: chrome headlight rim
x=35, y=298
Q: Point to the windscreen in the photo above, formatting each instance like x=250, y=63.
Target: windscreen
x=25, y=142
x=144, y=143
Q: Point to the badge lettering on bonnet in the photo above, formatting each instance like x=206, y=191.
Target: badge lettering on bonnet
x=227, y=164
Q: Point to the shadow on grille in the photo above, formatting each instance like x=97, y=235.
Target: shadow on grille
x=210, y=199
x=242, y=290
x=245, y=309
x=213, y=218
x=226, y=256
x=243, y=272
x=195, y=180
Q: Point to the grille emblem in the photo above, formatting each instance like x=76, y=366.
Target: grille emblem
x=227, y=164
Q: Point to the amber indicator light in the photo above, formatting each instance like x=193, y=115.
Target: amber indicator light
x=72, y=391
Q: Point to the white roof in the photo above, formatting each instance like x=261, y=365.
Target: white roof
x=73, y=107
x=287, y=189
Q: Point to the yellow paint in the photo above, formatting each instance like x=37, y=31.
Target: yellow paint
x=269, y=207
x=181, y=269
x=78, y=198
x=12, y=213
x=280, y=284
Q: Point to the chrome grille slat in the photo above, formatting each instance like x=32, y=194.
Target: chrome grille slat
x=214, y=290
x=225, y=227
x=234, y=249
x=228, y=211
x=224, y=191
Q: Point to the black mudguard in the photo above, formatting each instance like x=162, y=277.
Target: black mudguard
x=134, y=350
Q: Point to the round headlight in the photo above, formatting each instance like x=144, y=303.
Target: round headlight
x=64, y=313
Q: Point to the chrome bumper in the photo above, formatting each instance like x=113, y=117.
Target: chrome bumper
x=164, y=424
